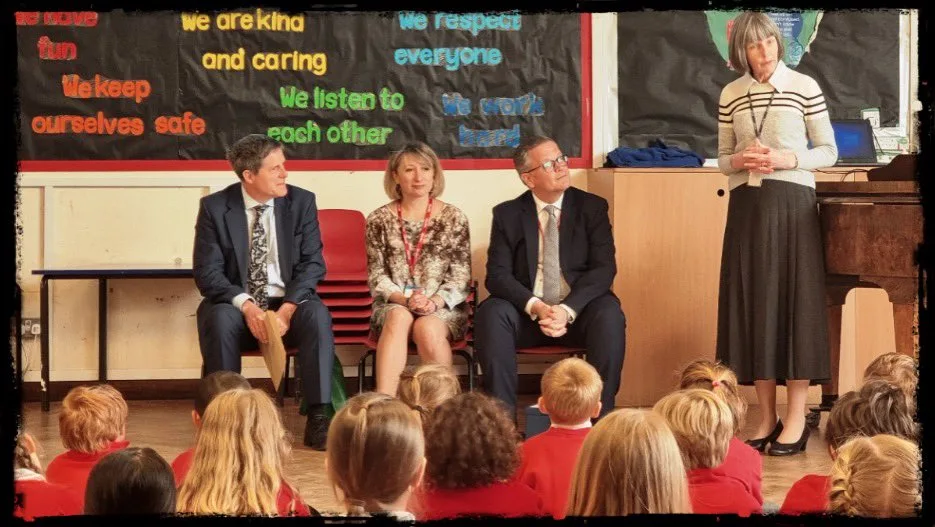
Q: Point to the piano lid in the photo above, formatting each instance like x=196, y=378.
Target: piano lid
x=901, y=168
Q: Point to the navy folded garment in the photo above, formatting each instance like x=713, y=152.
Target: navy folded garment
x=657, y=154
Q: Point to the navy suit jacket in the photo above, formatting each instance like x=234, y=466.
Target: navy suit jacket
x=586, y=249
x=221, y=252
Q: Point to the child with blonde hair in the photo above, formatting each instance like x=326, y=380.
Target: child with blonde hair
x=239, y=456
x=878, y=408
x=629, y=464
x=427, y=386
x=208, y=388
x=743, y=462
x=472, y=452
x=376, y=456
x=876, y=476
x=571, y=397
x=901, y=370
x=92, y=423
x=703, y=425
x=36, y=497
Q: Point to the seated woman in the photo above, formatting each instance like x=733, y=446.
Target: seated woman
x=36, y=496
x=92, y=424
x=419, y=265
x=131, y=481
x=239, y=457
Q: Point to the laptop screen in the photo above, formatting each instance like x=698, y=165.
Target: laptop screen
x=854, y=138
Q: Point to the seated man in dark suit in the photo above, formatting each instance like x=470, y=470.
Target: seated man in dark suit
x=550, y=266
x=258, y=247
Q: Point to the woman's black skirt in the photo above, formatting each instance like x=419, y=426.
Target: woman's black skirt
x=772, y=323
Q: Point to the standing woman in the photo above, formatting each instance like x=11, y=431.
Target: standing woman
x=771, y=314
x=419, y=266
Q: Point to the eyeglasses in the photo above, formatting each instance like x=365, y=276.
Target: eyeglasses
x=549, y=166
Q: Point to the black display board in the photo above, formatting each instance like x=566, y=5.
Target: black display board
x=670, y=73
x=343, y=86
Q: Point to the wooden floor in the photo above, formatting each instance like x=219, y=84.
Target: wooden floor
x=166, y=427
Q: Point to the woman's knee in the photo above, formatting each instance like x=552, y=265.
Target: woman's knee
x=429, y=330
x=398, y=319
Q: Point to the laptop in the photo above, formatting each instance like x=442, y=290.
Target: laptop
x=855, y=141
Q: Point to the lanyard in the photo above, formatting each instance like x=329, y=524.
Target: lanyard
x=759, y=130
x=412, y=258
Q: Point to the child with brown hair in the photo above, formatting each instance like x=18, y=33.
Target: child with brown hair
x=743, y=462
x=571, y=397
x=703, y=425
x=131, y=481
x=376, y=456
x=36, y=497
x=92, y=423
x=897, y=368
x=472, y=452
x=239, y=457
x=427, y=386
x=209, y=388
x=629, y=464
x=878, y=408
x=876, y=476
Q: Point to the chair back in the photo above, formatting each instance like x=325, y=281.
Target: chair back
x=343, y=236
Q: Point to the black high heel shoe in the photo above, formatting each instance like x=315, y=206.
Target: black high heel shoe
x=760, y=444
x=788, y=449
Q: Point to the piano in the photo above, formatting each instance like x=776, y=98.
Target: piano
x=871, y=233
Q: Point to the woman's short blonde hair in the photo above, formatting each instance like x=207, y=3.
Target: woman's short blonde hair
x=92, y=417
x=876, y=476
x=427, y=386
x=420, y=150
x=898, y=369
x=237, y=467
x=702, y=425
x=375, y=451
x=721, y=380
x=748, y=28
x=571, y=389
x=629, y=464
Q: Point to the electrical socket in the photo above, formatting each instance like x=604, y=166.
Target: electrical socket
x=36, y=329
x=28, y=327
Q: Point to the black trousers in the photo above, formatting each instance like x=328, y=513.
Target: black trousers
x=500, y=328
x=223, y=336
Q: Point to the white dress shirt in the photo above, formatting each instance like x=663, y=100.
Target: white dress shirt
x=275, y=287
x=543, y=218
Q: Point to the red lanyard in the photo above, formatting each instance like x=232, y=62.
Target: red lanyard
x=411, y=259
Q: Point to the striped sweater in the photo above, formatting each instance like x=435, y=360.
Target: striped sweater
x=797, y=114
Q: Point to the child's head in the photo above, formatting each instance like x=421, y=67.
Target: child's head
x=721, y=380
x=212, y=385
x=238, y=462
x=889, y=411
x=376, y=452
x=571, y=392
x=629, y=464
x=702, y=425
x=26, y=453
x=470, y=442
x=897, y=368
x=131, y=481
x=92, y=417
x=878, y=408
x=427, y=386
x=876, y=476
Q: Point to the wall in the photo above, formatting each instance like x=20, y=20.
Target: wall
x=145, y=217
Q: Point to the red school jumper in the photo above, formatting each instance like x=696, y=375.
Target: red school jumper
x=548, y=464
x=71, y=469
x=807, y=496
x=510, y=499
x=713, y=492
x=745, y=464
x=38, y=497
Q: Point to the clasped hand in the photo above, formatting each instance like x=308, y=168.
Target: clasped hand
x=420, y=304
x=762, y=159
x=553, y=320
x=256, y=320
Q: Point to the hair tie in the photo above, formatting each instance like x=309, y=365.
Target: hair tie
x=715, y=384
